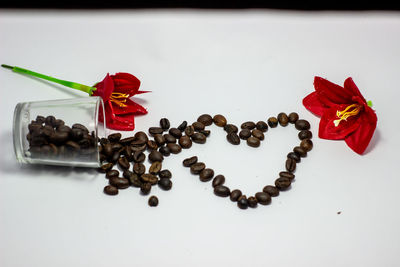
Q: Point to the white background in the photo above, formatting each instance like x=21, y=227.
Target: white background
x=247, y=65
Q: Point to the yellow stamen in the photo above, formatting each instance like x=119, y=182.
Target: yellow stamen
x=119, y=99
x=349, y=111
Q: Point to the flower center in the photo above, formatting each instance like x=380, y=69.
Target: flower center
x=349, y=111
x=119, y=99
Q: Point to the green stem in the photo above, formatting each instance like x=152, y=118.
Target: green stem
x=77, y=86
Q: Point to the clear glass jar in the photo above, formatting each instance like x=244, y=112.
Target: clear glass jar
x=59, y=132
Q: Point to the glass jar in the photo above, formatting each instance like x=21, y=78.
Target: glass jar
x=59, y=132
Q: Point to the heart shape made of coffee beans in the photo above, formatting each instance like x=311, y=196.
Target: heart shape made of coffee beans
x=159, y=144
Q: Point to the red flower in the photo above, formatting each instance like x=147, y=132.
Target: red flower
x=345, y=115
x=116, y=90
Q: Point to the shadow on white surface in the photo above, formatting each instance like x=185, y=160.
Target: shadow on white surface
x=376, y=138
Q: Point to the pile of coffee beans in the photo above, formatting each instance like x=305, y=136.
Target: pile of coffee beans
x=162, y=141
x=50, y=138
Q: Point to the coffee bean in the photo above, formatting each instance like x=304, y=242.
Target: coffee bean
x=196, y=168
x=105, y=167
x=253, y=142
x=165, y=174
x=59, y=138
x=115, y=137
x=155, y=130
x=283, y=119
x=222, y=191
x=219, y=120
x=134, y=179
x=112, y=173
x=169, y=138
x=151, y=145
x=182, y=127
x=185, y=142
x=293, y=117
x=235, y=195
x=139, y=168
x=80, y=127
x=34, y=127
x=145, y=188
x=50, y=120
x=155, y=167
x=107, y=150
x=58, y=123
x=205, y=132
x=300, y=151
x=149, y=178
x=263, y=198
x=272, y=122
x=248, y=125
x=288, y=175
x=271, y=190
x=103, y=140
x=252, y=201
x=262, y=126
x=76, y=134
x=128, y=153
x=115, y=156
x=47, y=131
x=164, y=150
x=129, y=140
x=230, y=128
x=174, y=148
x=176, y=132
x=127, y=174
x=290, y=165
x=116, y=146
x=40, y=119
x=153, y=201
x=139, y=156
x=205, y=119
x=155, y=156
x=141, y=136
x=189, y=161
x=242, y=202
x=120, y=183
x=218, y=180
x=199, y=138
x=233, y=138
x=258, y=134
x=110, y=190
x=165, y=183
x=305, y=134
x=159, y=139
x=123, y=163
x=244, y=134
x=302, y=125
x=72, y=145
x=306, y=144
x=282, y=183
x=294, y=156
x=164, y=123
x=206, y=175
x=189, y=131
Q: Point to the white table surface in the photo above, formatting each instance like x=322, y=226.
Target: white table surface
x=248, y=65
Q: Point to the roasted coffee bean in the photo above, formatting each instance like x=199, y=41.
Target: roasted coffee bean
x=230, y=128
x=244, y=134
x=145, y=188
x=164, y=150
x=282, y=183
x=152, y=145
x=107, y=150
x=139, y=168
x=305, y=134
x=40, y=119
x=115, y=137
x=50, y=120
x=105, y=167
x=164, y=123
x=185, y=141
x=190, y=161
x=128, y=140
x=283, y=119
x=72, y=145
x=182, y=127
x=123, y=163
x=258, y=134
x=288, y=175
x=153, y=201
x=293, y=117
x=253, y=142
x=306, y=144
x=45, y=150
x=47, y=131
x=149, y=178
x=302, y=125
x=141, y=136
x=189, y=131
x=115, y=156
x=116, y=146
x=222, y=191
x=84, y=143
x=110, y=190
x=235, y=194
x=80, y=127
x=155, y=156
x=133, y=178
x=76, y=134
x=294, y=156
x=205, y=119
x=140, y=148
x=219, y=120
x=174, y=148
x=160, y=140
x=169, y=138
x=176, y=132
x=155, y=130
x=218, y=180
x=206, y=175
x=271, y=190
x=103, y=140
x=263, y=198
x=196, y=168
x=127, y=174
x=252, y=201
x=128, y=153
x=139, y=156
x=165, y=174
x=34, y=127
x=290, y=165
x=58, y=123
x=205, y=132
x=262, y=126
x=248, y=125
x=300, y=151
x=272, y=122
x=233, y=138
x=59, y=138
x=199, y=138
x=118, y=182
x=242, y=202
x=155, y=167
x=165, y=183
x=102, y=156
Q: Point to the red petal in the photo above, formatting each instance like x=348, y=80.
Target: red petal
x=328, y=130
x=104, y=88
x=312, y=103
x=330, y=93
x=358, y=141
x=123, y=122
x=352, y=87
x=126, y=83
x=132, y=107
